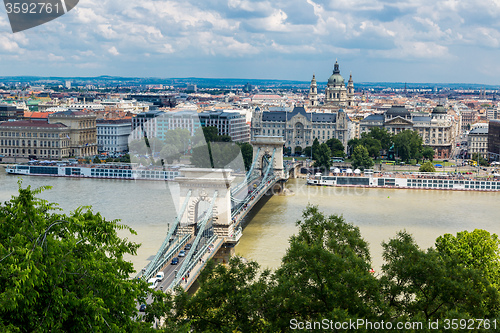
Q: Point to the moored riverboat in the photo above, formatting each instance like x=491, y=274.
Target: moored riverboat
x=428, y=181
x=106, y=171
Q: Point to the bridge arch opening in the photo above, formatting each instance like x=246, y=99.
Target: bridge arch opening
x=265, y=161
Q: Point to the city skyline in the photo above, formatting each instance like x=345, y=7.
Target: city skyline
x=440, y=41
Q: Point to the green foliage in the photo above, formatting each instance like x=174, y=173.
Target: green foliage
x=374, y=141
x=96, y=160
x=360, y=158
x=479, y=159
x=307, y=151
x=321, y=157
x=382, y=135
x=428, y=153
x=298, y=150
x=438, y=283
x=477, y=249
x=247, y=153
x=427, y=167
x=336, y=147
x=218, y=155
x=64, y=273
x=230, y=299
x=211, y=133
x=201, y=157
x=407, y=144
x=324, y=274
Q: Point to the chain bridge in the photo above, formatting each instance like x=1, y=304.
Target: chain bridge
x=211, y=213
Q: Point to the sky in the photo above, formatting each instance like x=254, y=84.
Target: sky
x=436, y=41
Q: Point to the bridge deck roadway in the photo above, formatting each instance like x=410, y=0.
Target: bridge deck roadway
x=255, y=196
x=169, y=270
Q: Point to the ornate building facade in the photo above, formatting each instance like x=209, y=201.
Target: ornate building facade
x=336, y=92
x=83, y=131
x=437, y=129
x=299, y=128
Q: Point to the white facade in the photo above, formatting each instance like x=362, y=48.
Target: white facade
x=112, y=135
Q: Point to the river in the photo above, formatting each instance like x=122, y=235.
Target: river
x=148, y=207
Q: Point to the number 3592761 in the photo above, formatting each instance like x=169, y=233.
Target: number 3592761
x=32, y=8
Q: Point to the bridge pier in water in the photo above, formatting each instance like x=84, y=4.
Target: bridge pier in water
x=212, y=213
x=203, y=183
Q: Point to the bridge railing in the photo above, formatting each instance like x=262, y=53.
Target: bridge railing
x=248, y=176
x=193, y=262
x=202, y=224
x=256, y=193
x=148, y=271
x=184, y=239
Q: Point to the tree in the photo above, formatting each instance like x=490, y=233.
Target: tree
x=407, y=143
x=298, y=150
x=479, y=159
x=138, y=147
x=230, y=299
x=477, y=249
x=211, y=133
x=64, y=273
x=382, y=135
x=201, y=157
x=428, y=153
x=336, y=147
x=322, y=157
x=360, y=158
x=247, y=153
x=169, y=153
x=307, y=151
x=96, y=160
x=442, y=282
x=225, y=155
x=325, y=273
x=372, y=145
x=427, y=167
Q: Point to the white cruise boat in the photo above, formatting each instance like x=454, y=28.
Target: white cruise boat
x=107, y=170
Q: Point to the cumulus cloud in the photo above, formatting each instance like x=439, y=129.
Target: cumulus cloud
x=189, y=36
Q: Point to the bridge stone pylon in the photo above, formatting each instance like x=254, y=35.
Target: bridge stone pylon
x=267, y=145
x=203, y=183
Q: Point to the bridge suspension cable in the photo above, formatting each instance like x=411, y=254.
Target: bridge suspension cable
x=202, y=224
x=247, y=175
x=151, y=268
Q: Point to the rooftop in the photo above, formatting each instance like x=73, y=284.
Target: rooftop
x=31, y=123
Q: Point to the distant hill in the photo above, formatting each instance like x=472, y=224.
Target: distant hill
x=229, y=82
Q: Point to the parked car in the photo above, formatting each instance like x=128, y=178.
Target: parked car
x=160, y=276
x=175, y=261
x=182, y=253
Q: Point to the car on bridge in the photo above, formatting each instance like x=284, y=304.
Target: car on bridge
x=187, y=247
x=182, y=253
x=175, y=261
x=153, y=283
x=160, y=276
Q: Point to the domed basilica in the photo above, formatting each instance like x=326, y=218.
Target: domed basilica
x=336, y=92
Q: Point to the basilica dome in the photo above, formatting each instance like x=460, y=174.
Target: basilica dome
x=336, y=78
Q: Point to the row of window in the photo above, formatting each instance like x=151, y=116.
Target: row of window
x=29, y=134
x=27, y=143
x=20, y=152
x=451, y=184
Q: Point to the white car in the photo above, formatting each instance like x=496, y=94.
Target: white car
x=159, y=276
x=153, y=283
